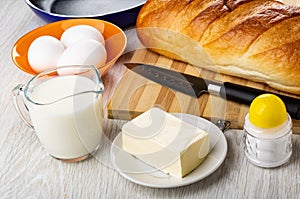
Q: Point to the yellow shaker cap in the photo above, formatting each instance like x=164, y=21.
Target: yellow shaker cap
x=267, y=111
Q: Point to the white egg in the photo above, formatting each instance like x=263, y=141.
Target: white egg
x=79, y=33
x=85, y=52
x=44, y=52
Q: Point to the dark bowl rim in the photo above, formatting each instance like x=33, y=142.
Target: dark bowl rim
x=28, y=2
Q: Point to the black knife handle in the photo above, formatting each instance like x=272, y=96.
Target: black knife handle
x=246, y=95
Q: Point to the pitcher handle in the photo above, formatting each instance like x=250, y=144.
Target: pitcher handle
x=17, y=91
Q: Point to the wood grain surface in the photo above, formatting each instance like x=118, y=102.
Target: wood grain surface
x=27, y=171
x=136, y=94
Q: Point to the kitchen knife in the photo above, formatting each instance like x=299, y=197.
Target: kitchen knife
x=195, y=86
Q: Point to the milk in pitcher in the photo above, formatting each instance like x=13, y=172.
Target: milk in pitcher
x=70, y=127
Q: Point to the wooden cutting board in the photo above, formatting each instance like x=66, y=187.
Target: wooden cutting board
x=136, y=94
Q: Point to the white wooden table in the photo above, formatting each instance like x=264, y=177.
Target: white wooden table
x=26, y=171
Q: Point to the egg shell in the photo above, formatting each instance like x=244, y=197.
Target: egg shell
x=85, y=52
x=79, y=33
x=44, y=53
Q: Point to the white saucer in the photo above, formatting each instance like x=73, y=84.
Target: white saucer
x=138, y=172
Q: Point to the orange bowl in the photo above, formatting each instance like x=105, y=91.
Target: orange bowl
x=115, y=41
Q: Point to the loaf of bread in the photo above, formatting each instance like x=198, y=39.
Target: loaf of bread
x=257, y=40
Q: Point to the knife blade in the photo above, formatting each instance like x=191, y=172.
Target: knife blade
x=196, y=86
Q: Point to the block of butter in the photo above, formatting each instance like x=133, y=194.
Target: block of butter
x=165, y=142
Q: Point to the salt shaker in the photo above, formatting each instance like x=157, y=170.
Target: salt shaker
x=267, y=132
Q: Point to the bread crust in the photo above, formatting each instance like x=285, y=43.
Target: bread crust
x=257, y=40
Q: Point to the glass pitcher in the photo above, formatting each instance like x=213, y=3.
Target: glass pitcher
x=66, y=110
